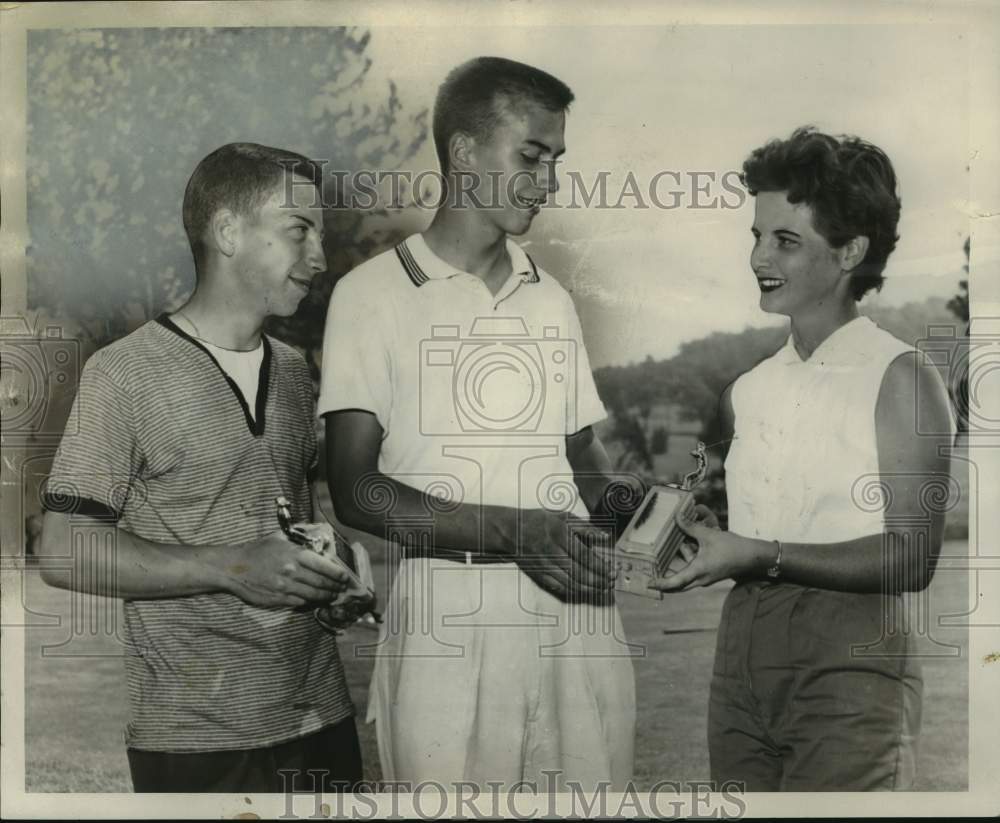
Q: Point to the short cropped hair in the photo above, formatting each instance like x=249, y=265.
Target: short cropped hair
x=471, y=98
x=241, y=177
x=848, y=183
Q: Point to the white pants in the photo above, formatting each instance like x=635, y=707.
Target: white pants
x=482, y=676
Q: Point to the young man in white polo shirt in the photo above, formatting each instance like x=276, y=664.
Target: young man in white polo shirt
x=459, y=403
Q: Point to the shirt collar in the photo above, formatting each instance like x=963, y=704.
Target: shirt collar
x=841, y=345
x=421, y=264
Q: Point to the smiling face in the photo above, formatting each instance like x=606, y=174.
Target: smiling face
x=797, y=270
x=514, y=165
x=280, y=249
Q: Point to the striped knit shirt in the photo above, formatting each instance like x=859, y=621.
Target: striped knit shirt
x=163, y=443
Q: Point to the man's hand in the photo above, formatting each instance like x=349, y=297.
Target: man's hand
x=718, y=555
x=563, y=554
x=274, y=572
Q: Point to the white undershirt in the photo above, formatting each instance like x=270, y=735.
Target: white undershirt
x=243, y=367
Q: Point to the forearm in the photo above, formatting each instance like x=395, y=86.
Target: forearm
x=610, y=497
x=413, y=515
x=134, y=568
x=894, y=561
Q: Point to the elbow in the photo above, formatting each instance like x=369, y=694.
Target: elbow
x=53, y=572
x=352, y=517
x=57, y=578
x=356, y=502
x=910, y=562
x=917, y=583
x=913, y=577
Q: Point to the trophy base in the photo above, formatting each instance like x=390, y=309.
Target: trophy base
x=651, y=541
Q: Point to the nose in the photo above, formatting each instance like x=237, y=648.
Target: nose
x=315, y=258
x=759, y=255
x=549, y=180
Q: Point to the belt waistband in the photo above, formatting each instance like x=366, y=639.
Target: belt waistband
x=468, y=558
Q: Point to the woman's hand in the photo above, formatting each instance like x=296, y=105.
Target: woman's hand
x=704, y=516
x=719, y=555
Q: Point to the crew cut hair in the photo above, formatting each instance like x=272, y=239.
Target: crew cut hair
x=240, y=177
x=472, y=98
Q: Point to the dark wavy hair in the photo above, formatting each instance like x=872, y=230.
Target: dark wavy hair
x=848, y=183
x=470, y=97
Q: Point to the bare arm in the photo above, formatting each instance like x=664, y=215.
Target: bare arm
x=272, y=572
x=727, y=417
x=609, y=496
x=913, y=470
x=541, y=542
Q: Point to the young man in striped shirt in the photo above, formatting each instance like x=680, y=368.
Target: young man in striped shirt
x=188, y=429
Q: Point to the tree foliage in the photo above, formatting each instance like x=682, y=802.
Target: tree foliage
x=119, y=118
x=959, y=304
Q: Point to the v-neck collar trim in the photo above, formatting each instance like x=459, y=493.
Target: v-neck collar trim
x=255, y=423
x=841, y=341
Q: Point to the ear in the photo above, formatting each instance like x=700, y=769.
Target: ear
x=460, y=150
x=853, y=252
x=223, y=230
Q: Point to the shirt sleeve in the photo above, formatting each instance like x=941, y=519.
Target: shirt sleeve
x=356, y=371
x=584, y=406
x=96, y=468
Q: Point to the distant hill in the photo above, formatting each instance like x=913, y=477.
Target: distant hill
x=694, y=378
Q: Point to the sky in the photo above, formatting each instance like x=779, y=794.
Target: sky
x=689, y=99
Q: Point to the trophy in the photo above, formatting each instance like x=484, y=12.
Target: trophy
x=357, y=602
x=652, y=539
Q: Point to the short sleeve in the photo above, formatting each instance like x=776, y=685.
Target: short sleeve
x=96, y=467
x=356, y=372
x=584, y=406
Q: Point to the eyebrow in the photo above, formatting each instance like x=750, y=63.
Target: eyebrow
x=756, y=232
x=544, y=147
x=303, y=218
x=309, y=221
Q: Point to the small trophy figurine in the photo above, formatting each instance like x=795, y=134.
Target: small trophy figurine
x=652, y=539
x=357, y=602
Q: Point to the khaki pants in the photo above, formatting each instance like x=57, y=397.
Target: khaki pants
x=812, y=691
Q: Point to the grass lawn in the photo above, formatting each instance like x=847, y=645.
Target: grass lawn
x=76, y=705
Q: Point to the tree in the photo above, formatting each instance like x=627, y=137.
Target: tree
x=659, y=441
x=958, y=386
x=959, y=304
x=117, y=121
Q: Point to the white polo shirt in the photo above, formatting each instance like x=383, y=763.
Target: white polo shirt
x=475, y=392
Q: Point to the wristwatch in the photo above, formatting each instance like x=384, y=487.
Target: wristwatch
x=774, y=572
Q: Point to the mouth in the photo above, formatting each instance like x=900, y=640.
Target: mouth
x=769, y=284
x=532, y=204
x=301, y=282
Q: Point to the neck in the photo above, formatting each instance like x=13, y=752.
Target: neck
x=464, y=239
x=811, y=329
x=222, y=316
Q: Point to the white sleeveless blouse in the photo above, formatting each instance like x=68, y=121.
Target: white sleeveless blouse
x=804, y=463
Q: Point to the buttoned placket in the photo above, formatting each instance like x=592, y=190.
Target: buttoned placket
x=511, y=285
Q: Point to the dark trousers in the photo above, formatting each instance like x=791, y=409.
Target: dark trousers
x=333, y=755
x=813, y=690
